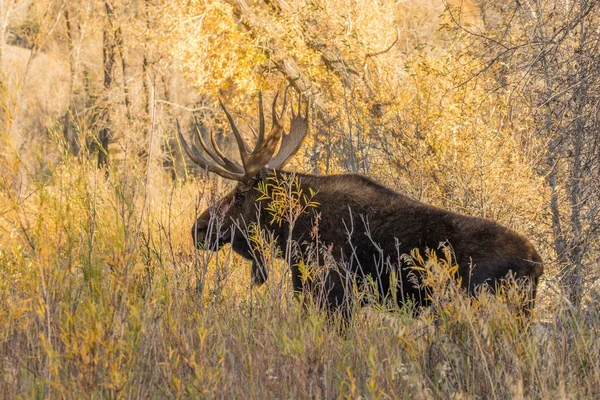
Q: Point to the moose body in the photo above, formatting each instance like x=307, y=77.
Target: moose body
x=364, y=227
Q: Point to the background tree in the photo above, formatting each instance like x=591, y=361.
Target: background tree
x=545, y=54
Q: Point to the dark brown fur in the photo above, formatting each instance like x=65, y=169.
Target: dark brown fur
x=485, y=252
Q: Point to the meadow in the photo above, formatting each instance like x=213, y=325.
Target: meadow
x=103, y=296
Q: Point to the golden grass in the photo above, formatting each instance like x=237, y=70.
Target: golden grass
x=99, y=299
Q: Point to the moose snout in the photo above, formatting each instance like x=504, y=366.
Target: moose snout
x=208, y=235
x=198, y=233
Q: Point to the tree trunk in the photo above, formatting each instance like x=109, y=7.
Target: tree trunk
x=70, y=134
x=117, y=44
x=573, y=274
x=108, y=57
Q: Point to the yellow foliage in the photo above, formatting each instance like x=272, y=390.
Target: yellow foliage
x=209, y=47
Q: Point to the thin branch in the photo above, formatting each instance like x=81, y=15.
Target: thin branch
x=192, y=109
x=380, y=52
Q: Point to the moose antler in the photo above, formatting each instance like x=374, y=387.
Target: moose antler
x=291, y=142
x=254, y=160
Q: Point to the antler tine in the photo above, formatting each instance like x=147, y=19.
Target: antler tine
x=200, y=130
x=215, y=146
x=299, y=106
x=283, y=108
x=276, y=118
x=265, y=145
x=199, y=159
x=242, y=147
x=253, y=132
x=217, y=154
x=261, y=120
x=291, y=142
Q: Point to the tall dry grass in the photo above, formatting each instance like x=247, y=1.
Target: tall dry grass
x=103, y=296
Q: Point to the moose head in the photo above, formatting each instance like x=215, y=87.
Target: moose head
x=217, y=225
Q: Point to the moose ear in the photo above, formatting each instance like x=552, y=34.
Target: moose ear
x=262, y=174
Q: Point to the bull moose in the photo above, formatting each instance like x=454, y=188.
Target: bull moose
x=364, y=226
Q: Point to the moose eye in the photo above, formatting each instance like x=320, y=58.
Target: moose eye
x=239, y=197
